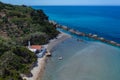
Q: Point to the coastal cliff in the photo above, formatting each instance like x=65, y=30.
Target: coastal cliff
x=18, y=25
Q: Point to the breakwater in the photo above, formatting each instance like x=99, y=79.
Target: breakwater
x=90, y=35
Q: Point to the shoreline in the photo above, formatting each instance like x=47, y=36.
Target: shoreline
x=52, y=43
x=38, y=70
x=89, y=35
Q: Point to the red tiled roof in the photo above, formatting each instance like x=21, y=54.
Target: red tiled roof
x=36, y=47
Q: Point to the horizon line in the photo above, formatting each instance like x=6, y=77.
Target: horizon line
x=63, y=4
x=66, y=4
x=72, y=5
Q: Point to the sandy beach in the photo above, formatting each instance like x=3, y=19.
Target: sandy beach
x=39, y=69
x=61, y=37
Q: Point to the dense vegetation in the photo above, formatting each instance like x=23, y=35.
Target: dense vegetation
x=18, y=25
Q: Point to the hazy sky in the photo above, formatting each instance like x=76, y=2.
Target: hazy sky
x=63, y=2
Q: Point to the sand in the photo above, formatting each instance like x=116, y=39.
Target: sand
x=52, y=43
x=38, y=70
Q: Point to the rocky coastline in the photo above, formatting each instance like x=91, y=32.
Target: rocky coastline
x=89, y=35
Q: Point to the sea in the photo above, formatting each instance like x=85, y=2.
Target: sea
x=87, y=59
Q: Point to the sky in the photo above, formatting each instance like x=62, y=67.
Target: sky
x=63, y=2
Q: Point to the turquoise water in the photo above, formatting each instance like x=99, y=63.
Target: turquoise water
x=101, y=20
x=88, y=60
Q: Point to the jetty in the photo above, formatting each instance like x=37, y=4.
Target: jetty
x=89, y=35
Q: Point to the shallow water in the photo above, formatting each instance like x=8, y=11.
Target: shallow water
x=88, y=60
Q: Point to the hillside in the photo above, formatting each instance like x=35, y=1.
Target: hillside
x=23, y=23
x=18, y=25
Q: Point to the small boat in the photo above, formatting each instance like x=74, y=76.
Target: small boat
x=60, y=58
x=79, y=40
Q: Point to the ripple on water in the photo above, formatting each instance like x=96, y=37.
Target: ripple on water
x=84, y=61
